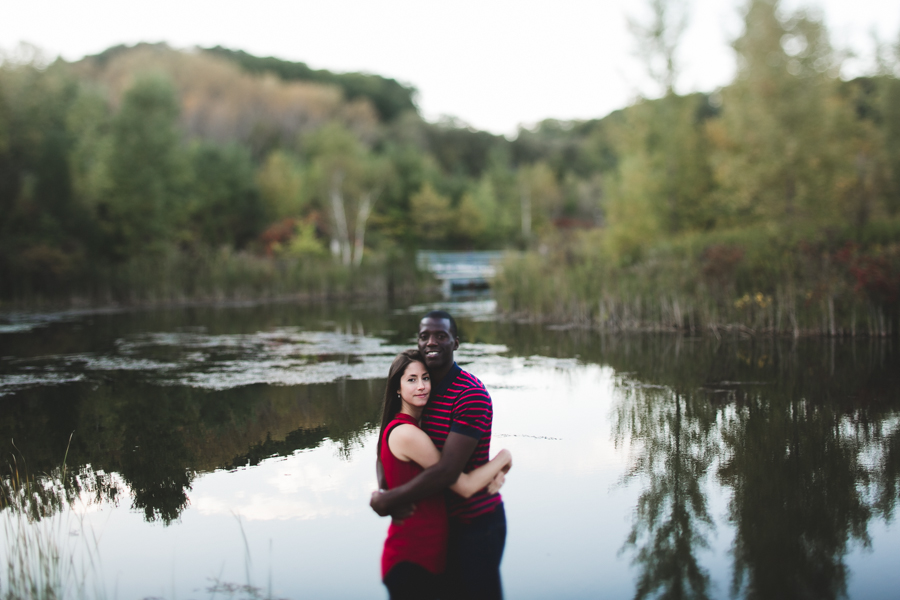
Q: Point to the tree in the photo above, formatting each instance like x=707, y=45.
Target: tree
x=889, y=101
x=348, y=180
x=225, y=207
x=471, y=221
x=281, y=186
x=539, y=194
x=44, y=230
x=411, y=168
x=778, y=144
x=663, y=185
x=146, y=200
x=663, y=182
x=432, y=215
x=657, y=40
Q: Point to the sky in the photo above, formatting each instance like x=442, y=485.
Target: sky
x=494, y=64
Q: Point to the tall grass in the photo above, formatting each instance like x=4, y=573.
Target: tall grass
x=202, y=275
x=50, y=552
x=770, y=280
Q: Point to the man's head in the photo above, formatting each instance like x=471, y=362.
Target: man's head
x=438, y=339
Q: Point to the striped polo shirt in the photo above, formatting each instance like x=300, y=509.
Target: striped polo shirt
x=460, y=403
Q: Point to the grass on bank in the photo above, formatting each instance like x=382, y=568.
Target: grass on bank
x=50, y=553
x=205, y=275
x=778, y=279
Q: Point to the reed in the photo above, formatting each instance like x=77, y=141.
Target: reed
x=777, y=281
x=51, y=553
x=177, y=276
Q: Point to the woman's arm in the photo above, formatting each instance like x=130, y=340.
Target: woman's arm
x=470, y=483
x=408, y=442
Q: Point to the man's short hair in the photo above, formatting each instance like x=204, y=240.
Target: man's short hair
x=443, y=314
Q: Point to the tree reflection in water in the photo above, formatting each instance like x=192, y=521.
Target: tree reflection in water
x=794, y=475
x=675, y=439
x=150, y=441
x=805, y=438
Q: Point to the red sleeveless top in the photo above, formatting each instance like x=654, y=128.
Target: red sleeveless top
x=422, y=537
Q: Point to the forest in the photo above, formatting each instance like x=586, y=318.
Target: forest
x=150, y=174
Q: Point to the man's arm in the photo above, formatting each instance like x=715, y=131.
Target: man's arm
x=456, y=453
x=379, y=474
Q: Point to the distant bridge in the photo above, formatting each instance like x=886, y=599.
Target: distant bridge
x=460, y=271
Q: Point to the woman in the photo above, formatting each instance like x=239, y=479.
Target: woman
x=415, y=550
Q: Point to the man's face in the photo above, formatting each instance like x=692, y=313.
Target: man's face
x=437, y=342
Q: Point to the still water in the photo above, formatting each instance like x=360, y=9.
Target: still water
x=219, y=447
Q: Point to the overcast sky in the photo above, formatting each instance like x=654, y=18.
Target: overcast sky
x=495, y=64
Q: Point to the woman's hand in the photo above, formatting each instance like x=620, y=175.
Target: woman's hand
x=496, y=483
x=505, y=458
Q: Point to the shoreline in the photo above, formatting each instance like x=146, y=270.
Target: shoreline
x=716, y=331
x=82, y=306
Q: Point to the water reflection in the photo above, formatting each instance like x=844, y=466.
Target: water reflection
x=159, y=439
x=802, y=438
x=675, y=434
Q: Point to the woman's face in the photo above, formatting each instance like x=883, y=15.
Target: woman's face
x=415, y=385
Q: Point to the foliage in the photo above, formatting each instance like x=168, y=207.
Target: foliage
x=390, y=98
x=773, y=279
x=145, y=201
x=225, y=208
x=768, y=205
x=670, y=211
x=50, y=556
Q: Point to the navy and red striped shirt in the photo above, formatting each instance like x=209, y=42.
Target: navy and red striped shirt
x=460, y=403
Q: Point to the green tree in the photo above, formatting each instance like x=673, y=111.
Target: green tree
x=889, y=125
x=540, y=197
x=432, y=216
x=663, y=182
x=348, y=180
x=657, y=40
x=146, y=200
x=779, y=150
x=499, y=190
x=43, y=229
x=281, y=185
x=88, y=122
x=412, y=168
x=484, y=201
x=471, y=221
x=225, y=207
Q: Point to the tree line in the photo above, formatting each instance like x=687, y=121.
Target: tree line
x=772, y=201
x=120, y=161
x=771, y=204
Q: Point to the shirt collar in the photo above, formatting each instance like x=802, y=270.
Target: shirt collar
x=449, y=378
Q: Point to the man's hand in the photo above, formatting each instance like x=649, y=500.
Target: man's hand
x=398, y=514
x=496, y=483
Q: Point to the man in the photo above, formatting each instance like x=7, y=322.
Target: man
x=458, y=420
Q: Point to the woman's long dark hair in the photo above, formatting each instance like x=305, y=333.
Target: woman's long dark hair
x=391, y=404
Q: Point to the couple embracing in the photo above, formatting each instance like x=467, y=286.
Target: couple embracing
x=436, y=436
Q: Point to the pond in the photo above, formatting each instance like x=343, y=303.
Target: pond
x=229, y=451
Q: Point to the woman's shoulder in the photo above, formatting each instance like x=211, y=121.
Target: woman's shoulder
x=405, y=429
x=407, y=439
x=403, y=425
x=402, y=417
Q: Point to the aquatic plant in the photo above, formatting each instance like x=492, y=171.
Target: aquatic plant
x=51, y=553
x=785, y=280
